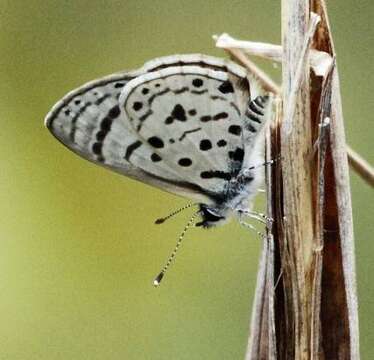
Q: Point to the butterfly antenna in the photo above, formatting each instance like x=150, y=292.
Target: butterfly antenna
x=157, y=280
x=161, y=220
x=264, y=163
x=261, y=165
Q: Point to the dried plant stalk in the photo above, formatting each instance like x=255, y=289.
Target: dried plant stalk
x=320, y=62
x=306, y=302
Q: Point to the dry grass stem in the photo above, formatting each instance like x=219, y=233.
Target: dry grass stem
x=321, y=63
x=306, y=302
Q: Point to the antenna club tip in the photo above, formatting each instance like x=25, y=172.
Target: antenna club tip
x=157, y=280
x=159, y=221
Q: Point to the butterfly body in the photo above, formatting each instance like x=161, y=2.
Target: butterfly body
x=191, y=125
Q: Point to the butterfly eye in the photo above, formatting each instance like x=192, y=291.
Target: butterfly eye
x=212, y=213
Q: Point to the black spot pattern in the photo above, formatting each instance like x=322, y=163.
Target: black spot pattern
x=137, y=105
x=226, y=87
x=145, y=91
x=219, y=116
x=100, y=135
x=169, y=120
x=171, y=141
x=96, y=148
x=185, y=162
x=205, y=118
x=179, y=113
x=221, y=143
x=156, y=142
x=192, y=112
x=237, y=155
x=197, y=82
x=215, y=174
x=155, y=157
x=77, y=102
x=205, y=145
x=131, y=148
x=105, y=127
x=235, y=130
x=119, y=85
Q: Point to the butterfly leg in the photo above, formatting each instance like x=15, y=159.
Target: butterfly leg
x=250, y=226
x=257, y=216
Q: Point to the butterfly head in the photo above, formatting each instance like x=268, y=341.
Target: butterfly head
x=212, y=216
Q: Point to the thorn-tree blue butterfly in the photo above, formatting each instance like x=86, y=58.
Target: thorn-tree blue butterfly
x=191, y=125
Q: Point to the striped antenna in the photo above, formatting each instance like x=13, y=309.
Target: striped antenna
x=157, y=280
x=270, y=162
x=161, y=220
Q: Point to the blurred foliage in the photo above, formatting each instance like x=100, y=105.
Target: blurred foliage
x=78, y=246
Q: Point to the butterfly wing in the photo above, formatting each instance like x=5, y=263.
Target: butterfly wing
x=121, y=122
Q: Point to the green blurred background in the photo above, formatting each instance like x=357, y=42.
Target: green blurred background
x=78, y=247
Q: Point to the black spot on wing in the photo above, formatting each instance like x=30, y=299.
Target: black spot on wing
x=197, y=82
x=185, y=162
x=215, y=174
x=226, y=87
x=205, y=145
x=105, y=126
x=237, y=155
x=131, y=148
x=179, y=113
x=169, y=120
x=205, y=118
x=235, y=130
x=156, y=142
x=137, y=105
x=221, y=143
x=97, y=147
x=221, y=115
x=100, y=135
x=114, y=112
x=155, y=157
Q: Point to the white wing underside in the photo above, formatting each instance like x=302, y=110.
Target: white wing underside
x=177, y=123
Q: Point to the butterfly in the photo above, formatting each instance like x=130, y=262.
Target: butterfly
x=191, y=125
